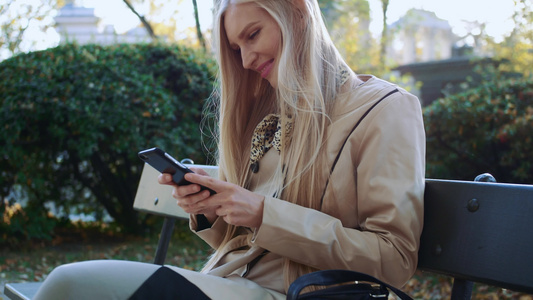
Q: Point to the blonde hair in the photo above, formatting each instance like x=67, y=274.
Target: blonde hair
x=307, y=86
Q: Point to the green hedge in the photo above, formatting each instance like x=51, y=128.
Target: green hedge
x=488, y=128
x=73, y=118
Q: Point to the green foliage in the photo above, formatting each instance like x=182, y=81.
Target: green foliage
x=347, y=22
x=19, y=226
x=19, y=18
x=73, y=118
x=516, y=47
x=488, y=128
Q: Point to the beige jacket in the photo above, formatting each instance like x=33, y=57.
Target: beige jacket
x=372, y=214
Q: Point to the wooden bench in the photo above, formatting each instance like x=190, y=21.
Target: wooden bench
x=473, y=232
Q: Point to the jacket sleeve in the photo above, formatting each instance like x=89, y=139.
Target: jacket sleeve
x=386, y=159
x=213, y=235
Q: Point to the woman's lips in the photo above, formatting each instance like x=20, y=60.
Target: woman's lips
x=265, y=68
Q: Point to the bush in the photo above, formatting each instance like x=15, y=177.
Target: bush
x=74, y=117
x=488, y=128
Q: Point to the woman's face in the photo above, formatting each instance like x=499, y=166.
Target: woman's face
x=256, y=35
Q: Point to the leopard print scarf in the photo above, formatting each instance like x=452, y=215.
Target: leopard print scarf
x=267, y=133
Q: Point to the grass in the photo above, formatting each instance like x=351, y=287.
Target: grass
x=186, y=250
x=34, y=263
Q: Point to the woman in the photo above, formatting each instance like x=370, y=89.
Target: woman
x=320, y=168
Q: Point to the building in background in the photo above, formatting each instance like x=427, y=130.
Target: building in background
x=424, y=47
x=420, y=36
x=80, y=24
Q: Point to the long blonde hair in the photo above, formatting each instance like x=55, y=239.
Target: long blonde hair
x=307, y=86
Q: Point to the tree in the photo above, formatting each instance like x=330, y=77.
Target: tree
x=517, y=46
x=348, y=23
x=159, y=20
x=488, y=128
x=74, y=117
x=143, y=20
x=17, y=17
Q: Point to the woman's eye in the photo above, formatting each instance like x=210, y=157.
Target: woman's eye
x=254, y=34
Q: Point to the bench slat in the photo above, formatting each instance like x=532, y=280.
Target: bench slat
x=486, y=240
x=21, y=291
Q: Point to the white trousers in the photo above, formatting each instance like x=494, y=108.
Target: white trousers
x=116, y=279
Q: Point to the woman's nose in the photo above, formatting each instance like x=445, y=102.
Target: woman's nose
x=248, y=58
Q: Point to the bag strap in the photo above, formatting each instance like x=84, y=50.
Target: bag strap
x=348, y=136
x=329, y=277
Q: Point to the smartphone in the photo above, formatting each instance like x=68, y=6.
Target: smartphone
x=165, y=163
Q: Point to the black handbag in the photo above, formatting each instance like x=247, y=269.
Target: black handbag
x=368, y=288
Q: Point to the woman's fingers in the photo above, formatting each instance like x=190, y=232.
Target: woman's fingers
x=188, y=196
x=190, y=205
x=181, y=191
x=199, y=171
x=236, y=205
x=165, y=178
x=207, y=181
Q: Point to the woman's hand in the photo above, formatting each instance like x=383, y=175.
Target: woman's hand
x=188, y=195
x=236, y=205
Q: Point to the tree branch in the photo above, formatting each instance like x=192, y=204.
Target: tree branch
x=143, y=21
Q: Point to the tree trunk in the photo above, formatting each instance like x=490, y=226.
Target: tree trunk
x=384, y=34
x=113, y=193
x=198, y=30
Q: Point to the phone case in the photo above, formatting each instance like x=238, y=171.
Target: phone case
x=165, y=163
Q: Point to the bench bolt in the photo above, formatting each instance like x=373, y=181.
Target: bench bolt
x=473, y=205
x=156, y=201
